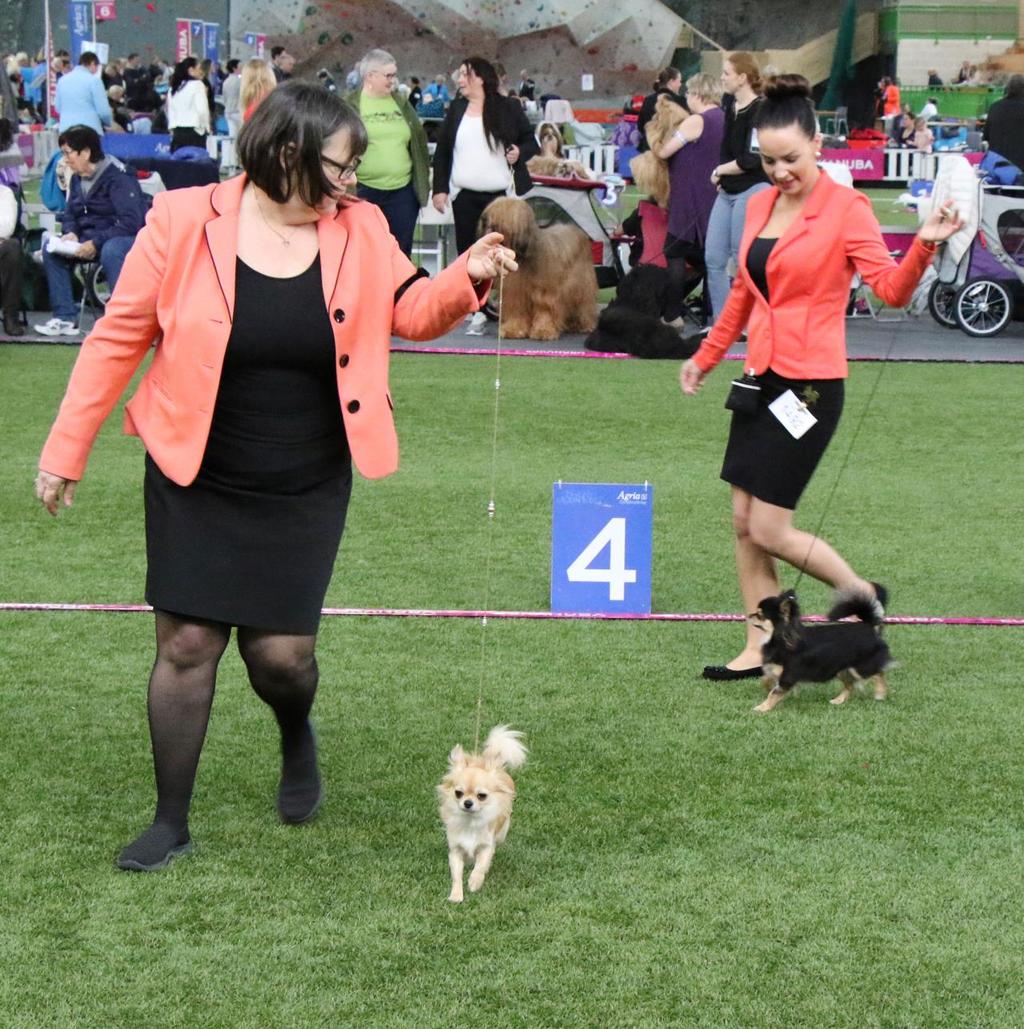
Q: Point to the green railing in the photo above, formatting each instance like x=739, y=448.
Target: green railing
x=948, y=21
x=966, y=102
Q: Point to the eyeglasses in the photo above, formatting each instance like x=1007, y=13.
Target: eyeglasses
x=341, y=171
x=386, y=74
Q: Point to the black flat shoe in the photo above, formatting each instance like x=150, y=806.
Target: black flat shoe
x=300, y=792
x=154, y=849
x=720, y=673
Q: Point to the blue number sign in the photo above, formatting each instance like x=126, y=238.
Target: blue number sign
x=601, y=548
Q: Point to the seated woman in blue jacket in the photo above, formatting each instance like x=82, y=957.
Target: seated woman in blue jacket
x=105, y=210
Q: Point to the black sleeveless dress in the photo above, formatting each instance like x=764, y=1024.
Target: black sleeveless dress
x=761, y=457
x=253, y=540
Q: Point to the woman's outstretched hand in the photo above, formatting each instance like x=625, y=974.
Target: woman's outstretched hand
x=691, y=378
x=51, y=489
x=489, y=259
x=941, y=224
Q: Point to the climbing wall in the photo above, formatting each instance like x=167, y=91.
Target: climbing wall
x=557, y=41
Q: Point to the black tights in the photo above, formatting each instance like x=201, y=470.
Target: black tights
x=282, y=671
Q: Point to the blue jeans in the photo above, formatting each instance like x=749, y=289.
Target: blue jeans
x=58, y=274
x=400, y=207
x=725, y=230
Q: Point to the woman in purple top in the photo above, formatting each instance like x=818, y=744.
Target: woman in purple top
x=692, y=152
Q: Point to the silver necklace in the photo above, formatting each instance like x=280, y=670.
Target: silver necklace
x=286, y=240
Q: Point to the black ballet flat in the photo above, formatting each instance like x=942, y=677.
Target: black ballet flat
x=720, y=673
x=155, y=849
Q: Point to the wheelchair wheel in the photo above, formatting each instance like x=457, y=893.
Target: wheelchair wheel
x=983, y=307
x=97, y=287
x=940, y=304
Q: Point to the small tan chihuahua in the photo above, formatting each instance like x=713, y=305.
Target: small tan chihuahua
x=476, y=804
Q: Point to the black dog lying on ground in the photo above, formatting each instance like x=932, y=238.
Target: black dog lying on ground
x=852, y=651
x=631, y=323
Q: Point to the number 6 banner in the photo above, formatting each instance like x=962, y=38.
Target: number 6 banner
x=601, y=548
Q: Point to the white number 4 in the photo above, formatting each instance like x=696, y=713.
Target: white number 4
x=613, y=535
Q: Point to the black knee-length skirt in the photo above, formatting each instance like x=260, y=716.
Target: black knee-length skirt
x=763, y=459
x=262, y=560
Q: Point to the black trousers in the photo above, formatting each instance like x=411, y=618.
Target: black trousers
x=686, y=268
x=10, y=276
x=466, y=209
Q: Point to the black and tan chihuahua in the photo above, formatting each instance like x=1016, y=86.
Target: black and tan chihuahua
x=852, y=651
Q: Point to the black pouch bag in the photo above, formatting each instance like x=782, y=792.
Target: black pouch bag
x=745, y=395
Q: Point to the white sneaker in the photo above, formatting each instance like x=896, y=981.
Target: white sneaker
x=477, y=324
x=57, y=327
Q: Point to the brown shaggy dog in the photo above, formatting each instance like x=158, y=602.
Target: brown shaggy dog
x=668, y=116
x=555, y=289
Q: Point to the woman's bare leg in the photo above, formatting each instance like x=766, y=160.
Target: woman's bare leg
x=758, y=577
x=772, y=529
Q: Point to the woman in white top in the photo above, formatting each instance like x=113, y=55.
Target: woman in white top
x=188, y=109
x=482, y=149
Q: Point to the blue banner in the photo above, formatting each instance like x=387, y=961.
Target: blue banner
x=212, y=35
x=601, y=548
x=127, y=146
x=80, y=25
x=197, y=38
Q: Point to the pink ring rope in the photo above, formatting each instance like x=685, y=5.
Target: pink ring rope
x=393, y=612
x=402, y=348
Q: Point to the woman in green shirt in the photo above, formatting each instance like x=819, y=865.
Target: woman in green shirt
x=394, y=170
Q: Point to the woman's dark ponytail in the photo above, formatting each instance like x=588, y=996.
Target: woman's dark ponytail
x=787, y=101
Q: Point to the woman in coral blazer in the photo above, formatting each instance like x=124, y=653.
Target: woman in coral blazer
x=803, y=240
x=272, y=298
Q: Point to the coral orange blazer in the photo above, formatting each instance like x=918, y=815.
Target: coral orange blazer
x=801, y=334
x=178, y=288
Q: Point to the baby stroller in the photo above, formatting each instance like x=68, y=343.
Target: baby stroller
x=980, y=284
x=591, y=205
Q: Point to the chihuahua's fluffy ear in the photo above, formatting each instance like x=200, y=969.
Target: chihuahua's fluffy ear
x=457, y=756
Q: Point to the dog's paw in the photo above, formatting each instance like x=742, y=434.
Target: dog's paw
x=476, y=881
x=455, y=896
x=763, y=708
x=840, y=698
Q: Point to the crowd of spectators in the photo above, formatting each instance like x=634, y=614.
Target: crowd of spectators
x=186, y=101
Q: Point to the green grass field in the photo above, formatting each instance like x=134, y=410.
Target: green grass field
x=674, y=858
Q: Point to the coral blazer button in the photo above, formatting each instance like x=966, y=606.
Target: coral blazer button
x=343, y=360
x=339, y=315
x=353, y=406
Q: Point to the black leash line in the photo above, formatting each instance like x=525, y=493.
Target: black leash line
x=802, y=567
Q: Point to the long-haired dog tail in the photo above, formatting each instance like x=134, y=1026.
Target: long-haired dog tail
x=856, y=603
x=504, y=747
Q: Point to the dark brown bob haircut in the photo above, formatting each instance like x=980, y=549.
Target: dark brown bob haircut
x=281, y=146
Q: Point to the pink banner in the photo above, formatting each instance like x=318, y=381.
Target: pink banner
x=863, y=164
x=183, y=37
x=261, y=44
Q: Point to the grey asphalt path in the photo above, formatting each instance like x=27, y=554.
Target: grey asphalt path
x=910, y=339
